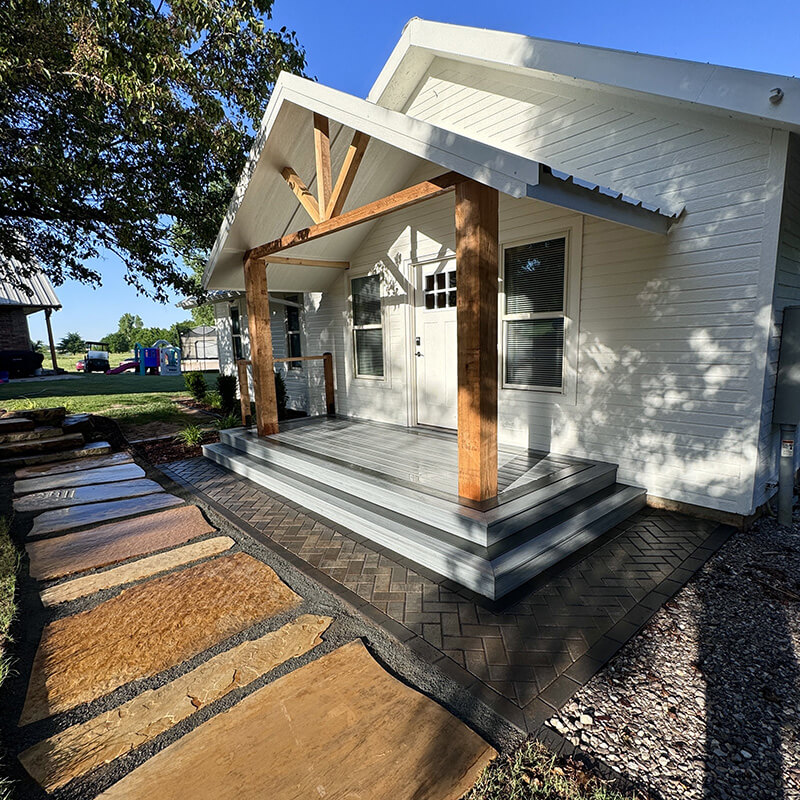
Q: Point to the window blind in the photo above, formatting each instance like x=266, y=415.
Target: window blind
x=535, y=352
x=534, y=277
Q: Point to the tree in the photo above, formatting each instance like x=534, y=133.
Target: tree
x=71, y=343
x=37, y=346
x=130, y=325
x=118, y=342
x=203, y=315
x=125, y=125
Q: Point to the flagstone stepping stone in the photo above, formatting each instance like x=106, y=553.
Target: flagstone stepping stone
x=12, y=425
x=148, y=628
x=114, y=542
x=339, y=727
x=46, y=432
x=87, y=477
x=128, y=573
x=82, y=748
x=74, y=466
x=64, y=519
x=84, y=495
x=84, y=451
x=40, y=416
x=62, y=441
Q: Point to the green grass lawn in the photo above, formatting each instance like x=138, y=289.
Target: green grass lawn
x=68, y=361
x=130, y=398
x=9, y=563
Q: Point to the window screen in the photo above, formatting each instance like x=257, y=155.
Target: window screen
x=534, y=314
x=367, y=326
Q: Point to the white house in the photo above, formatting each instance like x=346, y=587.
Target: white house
x=647, y=240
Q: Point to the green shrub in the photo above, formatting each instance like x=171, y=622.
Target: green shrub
x=191, y=436
x=226, y=386
x=195, y=384
x=213, y=399
x=280, y=394
x=232, y=420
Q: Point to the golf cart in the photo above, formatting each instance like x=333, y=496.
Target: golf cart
x=96, y=359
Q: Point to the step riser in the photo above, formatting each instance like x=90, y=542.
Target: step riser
x=513, y=515
x=51, y=458
x=453, y=563
x=40, y=446
x=491, y=578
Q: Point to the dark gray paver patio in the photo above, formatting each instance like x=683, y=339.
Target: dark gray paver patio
x=524, y=656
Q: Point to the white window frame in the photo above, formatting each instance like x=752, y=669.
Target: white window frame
x=371, y=326
x=236, y=305
x=572, y=232
x=294, y=366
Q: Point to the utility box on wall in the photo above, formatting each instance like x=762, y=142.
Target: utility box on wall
x=786, y=410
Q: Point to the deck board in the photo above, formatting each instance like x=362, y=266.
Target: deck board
x=426, y=458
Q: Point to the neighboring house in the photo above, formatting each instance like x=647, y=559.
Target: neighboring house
x=15, y=306
x=648, y=238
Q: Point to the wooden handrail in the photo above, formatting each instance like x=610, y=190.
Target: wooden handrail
x=327, y=363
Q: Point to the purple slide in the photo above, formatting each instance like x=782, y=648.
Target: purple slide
x=122, y=367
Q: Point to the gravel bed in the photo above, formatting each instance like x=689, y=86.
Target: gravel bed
x=705, y=702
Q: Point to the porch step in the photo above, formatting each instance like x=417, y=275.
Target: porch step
x=541, y=499
x=491, y=571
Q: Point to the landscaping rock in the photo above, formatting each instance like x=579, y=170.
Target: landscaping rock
x=89, y=462
x=57, y=441
x=64, y=519
x=13, y=425
x=77, y=423
x=42, y=432
x=82, y=451
x=338, y=727
x=115, y=542
x=86, y=477
x=128, y=573
x=82, y=748
x=84, y=495
x=40, y=416
x=148, y=628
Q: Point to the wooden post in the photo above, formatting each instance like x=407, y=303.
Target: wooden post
x=47, y=313
x=476, y=224
x=255, y=281
x=322, y=153
x=330, y=399
x=244, y=391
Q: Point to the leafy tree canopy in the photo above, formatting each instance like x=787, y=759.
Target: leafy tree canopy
x=124, y=125
x=71, y=343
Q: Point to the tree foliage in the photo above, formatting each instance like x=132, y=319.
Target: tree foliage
x=71, y=343
x=124, y=125
x=131, y=330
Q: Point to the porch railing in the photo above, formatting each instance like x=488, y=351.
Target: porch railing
x=244, y=386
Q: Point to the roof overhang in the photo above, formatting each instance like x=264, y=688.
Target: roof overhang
x=726, y=91
x=264, y=208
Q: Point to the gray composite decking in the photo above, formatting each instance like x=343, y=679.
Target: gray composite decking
x=398, y=487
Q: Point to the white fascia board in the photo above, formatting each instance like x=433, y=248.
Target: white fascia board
x=730, y=91
x=506, y=172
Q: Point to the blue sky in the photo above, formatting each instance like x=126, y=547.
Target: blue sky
x=347, y=43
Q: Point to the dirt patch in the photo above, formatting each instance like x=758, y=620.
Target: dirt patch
x=149, y=628
x=167, y=449
x=338, y=727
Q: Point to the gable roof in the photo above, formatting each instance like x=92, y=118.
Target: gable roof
x=733, y=93
x=263, y=207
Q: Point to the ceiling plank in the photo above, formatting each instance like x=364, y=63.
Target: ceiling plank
x=322, y=153
x=307, y=200
x=308, y=262
x=347, y=174
x=379, y=208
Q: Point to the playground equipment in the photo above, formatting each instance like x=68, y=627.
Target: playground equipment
x=160, y=359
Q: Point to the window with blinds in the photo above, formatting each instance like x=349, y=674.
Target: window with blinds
x=236, y=332
x=367, y=326
x=533, y=315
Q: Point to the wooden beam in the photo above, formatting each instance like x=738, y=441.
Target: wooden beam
x=322, y=153
x=302, y=193
x=347, y=175
x=379, y=208
x=330, y=395
x=476, y=223
x=53, y=358
x=308, y=262
x=255, y=281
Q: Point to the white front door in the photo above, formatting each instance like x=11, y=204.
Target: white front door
x=435, y=344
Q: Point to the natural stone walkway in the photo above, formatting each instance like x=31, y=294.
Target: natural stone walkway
x=171, y=658
x=526, y=656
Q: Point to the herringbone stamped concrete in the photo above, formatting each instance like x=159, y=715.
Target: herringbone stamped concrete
x=524, y=657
